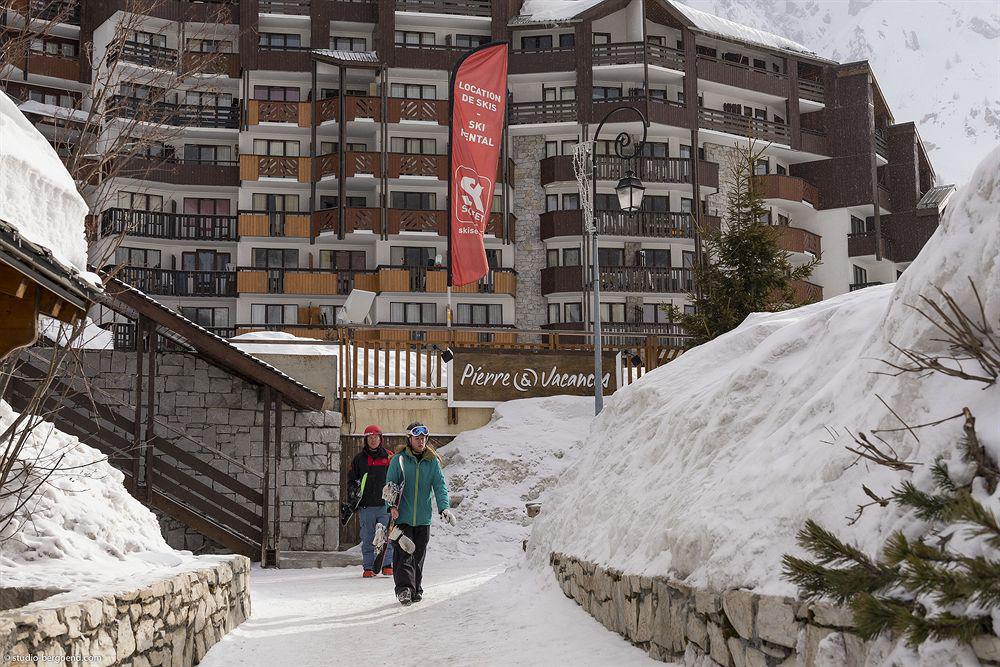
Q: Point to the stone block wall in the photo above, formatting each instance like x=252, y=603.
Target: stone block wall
x=529, y=251
x=172, y=622
x=223, y=411
x=733, y=628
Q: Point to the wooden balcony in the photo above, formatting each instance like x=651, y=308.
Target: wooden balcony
x=355, y=220
x=147, y=55
x=560, y=279
x=266, y=111
x=285, y=7
x=789, y=188
x=358, y=163
x=255, y=167
x=224, y=64
x=854, y=287
x=495, y=225
x=804, y=291
x=168, y=282
x=458, y=7
x=283, y=59
x=812, y=90
x=742, y=76
x=646, y=279
x=179, y=172
x=355, y=107
x=274, y=224
x=645, y=224
x=743, y=126
x=881, y=144
x=536, y=61
x=428, y=111
x=794, y=239
x=62, y=11
x=668, y=112
x=664, y=56
x=179, y=115
x=162, y=225
x=427, y=56
x=650, y=169
x=58, y=66
x=862, y=244
x=435, y=280
x=406, y=220
x=814, y=141
x=413, y=165
x=524, y=113
x=636, y=53
x=311, y=282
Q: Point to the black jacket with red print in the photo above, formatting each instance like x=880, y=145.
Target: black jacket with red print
x=375, y=464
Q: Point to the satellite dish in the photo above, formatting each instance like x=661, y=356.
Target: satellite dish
x=357, y=308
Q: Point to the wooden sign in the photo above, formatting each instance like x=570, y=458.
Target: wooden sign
x=486, y=378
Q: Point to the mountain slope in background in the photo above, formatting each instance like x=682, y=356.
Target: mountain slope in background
x=936, y=62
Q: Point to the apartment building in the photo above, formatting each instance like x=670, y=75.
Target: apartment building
x=312, y=158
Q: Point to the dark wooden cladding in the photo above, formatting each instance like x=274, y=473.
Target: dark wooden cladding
x=427, y=56
x=56, y=66
x=843, y=182
x=354, y=11
x=742, y=76
x=668, y=112
x=495, y=225
x=226, y=64
x=167, y=282
x=811, y=90
x=286, y=7
x=149, y=55
x=813, y=142
x=790, y=188
x=744, y=126
x=525, y=113
x=180, y=172
x=644, y=224
x=163, y=225
x=283, y=60
x=536, y=61
x=406, y=220
x=556, y=279
x=650, y=170
x=460, y=7
x=804, y=291
x=794, y=239
x=622, y=53
x=862, y=244
x=407, y=164
x=181, y=115
x=402, y=109
x=659, y=279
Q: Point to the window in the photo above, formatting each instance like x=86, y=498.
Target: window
x=860, y=275
x=412, y=255
x=685, y=151
x=412, y=313
x=859, y=226
x=275, y=258
x=567, y=40
x=205, y=260
x=276, y=93
x=280, y=40
x=65, y=49
x=655, y=203
x=680, y=96
x=342, y=259
x=602, y=37
x=415, y=201
x=348, y=43
x=137, y=201
x=687, y=259
x=551, y=202
x=536, y=42
x=269, y=202
x=479, y=313
x=412, y=37
x=207, y=317
x=782, y=220
x=687, y=205
x=761, y=167
x=149, y=259
x=780, y=169
x=654, y=313
x=656, y=39
x=204, y=99
x=207, y=154
x=413, y=145
x=210, y=45
x=470, y=41
x=758, y=63
x=206, y=206
x=551, y=258
x=149, y=38
x=571, y=202
x=330, y=147
x=571, y=257
x=413, y=91
x=606, y=202
x=328, y=314
x=659, y=257
x=268, y=313
x=612, y=312
x=55, y=99
x=555, y=313
x=689, y=309
x=607, y=92
x=567, y=92
x=275, y=147
x=760, y=114
x=573, y=312
x=611, y=256
x=551, y=148
x=332, y=201
x=654, y=149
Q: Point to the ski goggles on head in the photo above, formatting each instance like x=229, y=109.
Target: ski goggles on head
x=418, y=431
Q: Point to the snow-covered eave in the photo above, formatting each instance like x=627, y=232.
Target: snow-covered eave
x=798, y=55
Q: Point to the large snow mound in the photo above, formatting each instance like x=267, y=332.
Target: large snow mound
x=513, y=460
x=706, y=468
x=81, y=528
x=37, y=195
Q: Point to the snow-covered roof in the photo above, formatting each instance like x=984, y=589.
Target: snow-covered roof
x=280, y=342
x=38, y=197
x=727, y=29
x=366, y=57
x=53, y=111
x=937, y=197
x=551, y=11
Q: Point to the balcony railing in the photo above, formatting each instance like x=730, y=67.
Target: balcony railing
x=412, y=220
x=271, y=111
x=66, y=11
x=255, y=167
x=428, y=56
x=804, y=291
x=744, y=126
x=535, y=61
x=854, y=287
x=461, y=7
x=794, y=239
x=742, y=76
x=789, y=188
x=57, y=66
x=811, y=90
x=435, y=280
x=291, y=280
x=644, y=224
x=169, y=282
x=664, y=56
x=634, y=53
x=149, y=55
x=161, y=225
x=562, y=111
x=405, y=109
x=180, y=115
x=655, y=279
x=178, y=171
x=669, y=112
x=862, y=244
x=278, y=224
x=881, y=144
x=287, y=7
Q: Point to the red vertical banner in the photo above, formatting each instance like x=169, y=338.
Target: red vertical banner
x=478, y=110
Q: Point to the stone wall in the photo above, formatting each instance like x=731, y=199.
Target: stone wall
x=725, y=157
x=223, y=411
x=529, y=251
x=732, y=628
x=172, y=622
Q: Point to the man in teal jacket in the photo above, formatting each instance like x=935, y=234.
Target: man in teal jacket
x=417, y=469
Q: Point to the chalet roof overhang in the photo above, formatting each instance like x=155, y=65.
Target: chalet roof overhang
x=360, y=59
x=124, y=298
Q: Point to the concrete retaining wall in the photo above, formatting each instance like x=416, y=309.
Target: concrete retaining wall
x=172, y=622
x=733, y=628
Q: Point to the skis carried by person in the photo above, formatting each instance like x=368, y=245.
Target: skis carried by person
x=384, y=535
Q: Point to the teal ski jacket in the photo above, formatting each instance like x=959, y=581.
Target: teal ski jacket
x=418, y=478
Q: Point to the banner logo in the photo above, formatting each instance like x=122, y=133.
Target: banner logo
x=472, y=196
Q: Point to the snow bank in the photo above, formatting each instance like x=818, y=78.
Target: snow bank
x=706, y=468
x=274, y=346
x=496, y=469
x=37, y=195
x=81, y=529
x=92, y=337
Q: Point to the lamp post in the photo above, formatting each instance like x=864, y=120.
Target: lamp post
x=629, y=191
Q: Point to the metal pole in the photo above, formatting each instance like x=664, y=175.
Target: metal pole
x=598, y=370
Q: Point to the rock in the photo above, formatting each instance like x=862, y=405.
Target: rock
x=737, y=650
x=71, y=616
x=102, y=645
x=717, y=645
x=152, y=608
x=644, y=627
x=987, y=647
x=776, y=621
x=91, y=614
x=809, y=649
x=661, y=614
x=837, y=616
x=144, y=635
x=135, y=612
x=856, y=648
x=707, y=602
x=178, y=648
x=677, y=628
x=140, y=662
x=738, y=605
x=124, y=640
x=831, y=651
x=697, y=632
x=755, y=658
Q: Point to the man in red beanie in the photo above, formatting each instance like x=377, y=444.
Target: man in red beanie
x=368, y=471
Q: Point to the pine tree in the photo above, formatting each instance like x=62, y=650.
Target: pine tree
x=742, y=269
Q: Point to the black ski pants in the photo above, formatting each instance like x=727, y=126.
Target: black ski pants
x=408, y=569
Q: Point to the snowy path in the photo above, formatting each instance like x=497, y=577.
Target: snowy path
x=473, y=613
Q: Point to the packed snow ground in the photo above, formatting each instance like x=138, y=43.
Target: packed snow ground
x=707, y=468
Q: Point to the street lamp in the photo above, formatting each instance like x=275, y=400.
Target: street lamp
x=629, y=191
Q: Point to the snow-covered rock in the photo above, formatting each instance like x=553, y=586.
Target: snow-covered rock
x=707, y=467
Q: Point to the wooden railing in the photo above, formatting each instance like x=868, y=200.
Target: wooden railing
x=461, y=7
x=563, y=111
x=413, y=220
x=318, y=282
x=651, y=279
x=664, y=56
x=149, y=55
x=268, y=111
x=744, y=126
x=278, y=224
x=647, y=224
x=536, y=61
x=790, y=188
x=404, y=109
x=161, y=225
x=255, y=167
x=621, y=53
x=668, y=112
x=862, y=244
x=65, y=11
x=181, y=115
x=881, y=144
x=54, y=65
x=811, y=90
x=742, y=76
x=413, y=164
x=168, y=282
x=804, y=291
x=287, y=7
x=794, y=239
